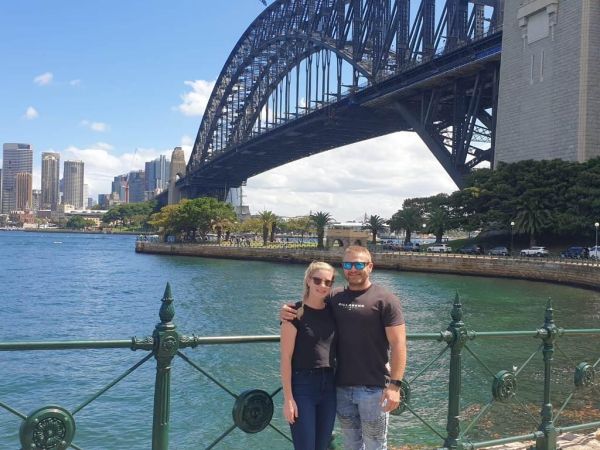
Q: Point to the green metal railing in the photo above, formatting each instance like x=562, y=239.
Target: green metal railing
x=53, y=427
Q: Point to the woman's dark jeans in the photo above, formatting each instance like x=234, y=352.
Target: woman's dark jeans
x=315, y=396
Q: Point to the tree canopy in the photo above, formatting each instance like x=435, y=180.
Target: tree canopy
x=190, y=218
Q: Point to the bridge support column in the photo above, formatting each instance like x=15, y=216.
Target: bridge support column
x=549, y=103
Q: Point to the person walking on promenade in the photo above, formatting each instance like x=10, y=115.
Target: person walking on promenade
x=307, y=347
x=370, y=333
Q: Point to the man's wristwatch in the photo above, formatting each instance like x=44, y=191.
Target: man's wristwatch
x=396, y=384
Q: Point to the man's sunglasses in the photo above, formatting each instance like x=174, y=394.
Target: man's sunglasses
x=319, y=281
x=356, y=264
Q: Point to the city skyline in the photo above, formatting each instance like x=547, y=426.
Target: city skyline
x=82, y=87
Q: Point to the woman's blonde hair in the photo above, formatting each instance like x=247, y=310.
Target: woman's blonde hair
x=312, y=268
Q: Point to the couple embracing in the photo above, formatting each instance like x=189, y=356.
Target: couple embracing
x=343, y=350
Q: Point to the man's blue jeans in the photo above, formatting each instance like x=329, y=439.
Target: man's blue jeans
x=361, y=417
x=314, y=393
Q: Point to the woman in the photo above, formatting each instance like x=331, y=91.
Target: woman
x=307, y=363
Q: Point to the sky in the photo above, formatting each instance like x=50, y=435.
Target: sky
x=118, y=83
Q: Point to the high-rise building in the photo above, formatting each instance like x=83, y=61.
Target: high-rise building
x=136, y=184
x=36, y=199
x=177, y=170
x=73, y=184
x=86, y=190
x=23, y=194
x=119, y=187
x=157, y=174
x=16, y=158
x=50, y=180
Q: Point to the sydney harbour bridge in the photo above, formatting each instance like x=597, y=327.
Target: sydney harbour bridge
x=308, y=76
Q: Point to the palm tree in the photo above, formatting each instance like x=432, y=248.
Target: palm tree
x=321, y=220
x=438, y=222
x=531, y=219
x=374, y=224
x=267, y=219
x=407, y=219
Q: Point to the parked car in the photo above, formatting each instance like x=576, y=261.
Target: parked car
x=576, y=253
x=535, y=251
x=439, y=248
x=391, y=245
x=473, y=249
x=595, y=252
x=498, y=251
x=411, y=247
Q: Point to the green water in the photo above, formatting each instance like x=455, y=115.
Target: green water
x=73, y=286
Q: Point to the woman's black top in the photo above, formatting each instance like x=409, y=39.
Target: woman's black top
x=315, y=339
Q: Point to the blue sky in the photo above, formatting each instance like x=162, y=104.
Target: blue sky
x=117, y=83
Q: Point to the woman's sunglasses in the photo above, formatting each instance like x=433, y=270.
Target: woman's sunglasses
x=320, y=281
x=356, y=264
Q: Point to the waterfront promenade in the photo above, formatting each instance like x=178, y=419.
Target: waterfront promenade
x=581, y=273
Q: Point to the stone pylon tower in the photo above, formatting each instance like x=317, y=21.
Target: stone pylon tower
x=549, y=98
x=177, y=171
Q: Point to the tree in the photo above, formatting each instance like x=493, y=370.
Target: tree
x=267, y=219
x=165, y=220
x=374, y=224
x=437, y=223
x=76, y=223
x=301, y=225
x=531, y=219
x=407, y=219
x=192, y=217
x=321, y=220
x=223, y=219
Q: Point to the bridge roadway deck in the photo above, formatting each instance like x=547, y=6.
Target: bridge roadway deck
x=582, y=273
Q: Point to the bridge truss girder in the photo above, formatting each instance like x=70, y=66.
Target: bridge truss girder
x=334, y=49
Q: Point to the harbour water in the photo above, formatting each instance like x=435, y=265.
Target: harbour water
x=83, y=287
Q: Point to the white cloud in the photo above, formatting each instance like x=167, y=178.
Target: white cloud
x=75, y=83
x=31, y=113
x=100, y=127
x=372, y=177
x=194, y=102
x=43, y=79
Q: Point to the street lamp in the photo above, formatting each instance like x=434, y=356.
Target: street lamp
x=596, y=225
x=512, y=224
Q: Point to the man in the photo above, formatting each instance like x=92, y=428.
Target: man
x=370, y=326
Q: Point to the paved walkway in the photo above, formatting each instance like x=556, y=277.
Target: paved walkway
x=567, y=441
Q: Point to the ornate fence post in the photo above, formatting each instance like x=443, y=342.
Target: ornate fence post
x=548, y=333
x=459, y=338
x=166, y=343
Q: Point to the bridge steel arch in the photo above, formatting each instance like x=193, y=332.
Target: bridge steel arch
x=311, y=75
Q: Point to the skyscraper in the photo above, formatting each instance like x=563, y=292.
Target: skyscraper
x=16, y=158
x=119, y=187
x=50, y=180
x=136, y=183
x=157, y=174
x=73, y=183
x=23, y=192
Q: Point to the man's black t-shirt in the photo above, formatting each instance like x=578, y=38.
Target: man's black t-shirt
x=315, y=339
x=361, y=318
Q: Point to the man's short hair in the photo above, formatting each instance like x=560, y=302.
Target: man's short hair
x=359, y=249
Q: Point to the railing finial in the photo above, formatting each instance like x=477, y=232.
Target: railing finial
x=457, y=313
x=167, y=310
